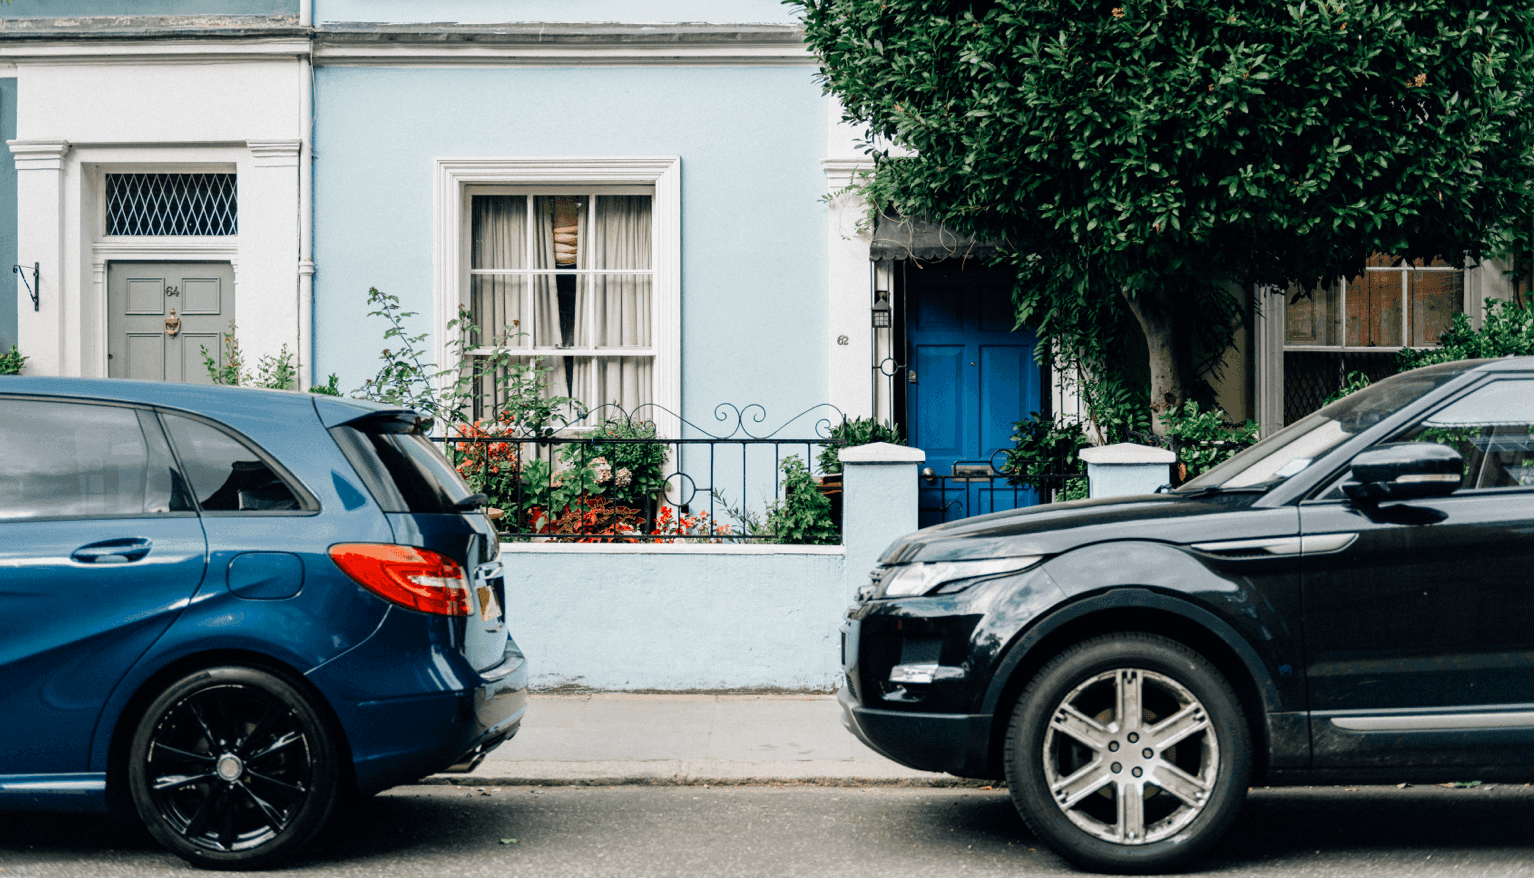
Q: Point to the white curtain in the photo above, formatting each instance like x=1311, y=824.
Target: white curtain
x=497, y=304
x=613, y=310
x=500, y=239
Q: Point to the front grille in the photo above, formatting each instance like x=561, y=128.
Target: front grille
x=921, y=650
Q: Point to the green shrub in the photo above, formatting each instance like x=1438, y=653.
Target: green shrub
x=1117, y=406
x=803, y=516
x=1203, y=440
x=10, y=364
x=631, y=472
x=272, y=372
x=1042, y=451
x=1506, y=331
x=331, y=387
x=858, y=431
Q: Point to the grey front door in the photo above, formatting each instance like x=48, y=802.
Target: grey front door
x=161, y=315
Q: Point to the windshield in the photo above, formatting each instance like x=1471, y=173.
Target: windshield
x=1291, y=450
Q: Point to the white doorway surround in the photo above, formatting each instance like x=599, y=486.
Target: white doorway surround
x=88, y=110
x=60, y=198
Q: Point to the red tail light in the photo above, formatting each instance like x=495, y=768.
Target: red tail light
x=418, y=579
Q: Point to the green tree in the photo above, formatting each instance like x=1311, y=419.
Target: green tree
x=1157, y=155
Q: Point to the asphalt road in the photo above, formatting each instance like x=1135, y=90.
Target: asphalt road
x=644, y=831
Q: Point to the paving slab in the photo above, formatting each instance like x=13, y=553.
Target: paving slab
x=679, y=739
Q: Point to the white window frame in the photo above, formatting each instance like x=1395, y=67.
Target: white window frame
x=457, y=179
x=1467, y=291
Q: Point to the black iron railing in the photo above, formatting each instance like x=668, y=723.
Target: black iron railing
x=610, y=478
x=1001, y=483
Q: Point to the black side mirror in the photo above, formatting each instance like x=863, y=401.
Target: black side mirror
x=1405, y=471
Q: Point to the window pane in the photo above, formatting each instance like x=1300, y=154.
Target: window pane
x=425, y=480
x=620, y=237
x=1492, y=429
x=559, y=242
x=1312, y=318
x=65, y=459
x=172, y=204
x=554, y=306
x=226, y=475
x=613, y=381
x=497, y=304
x=1374, y=309
x=521, y=378
x=500, y=232
x=621, y=310
x=1435, y=298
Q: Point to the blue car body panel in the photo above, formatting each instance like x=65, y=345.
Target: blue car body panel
x=85, y=645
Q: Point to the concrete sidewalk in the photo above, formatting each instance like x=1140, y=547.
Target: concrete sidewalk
x=619, y=738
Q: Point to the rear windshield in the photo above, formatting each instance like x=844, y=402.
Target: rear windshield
x=403, y=468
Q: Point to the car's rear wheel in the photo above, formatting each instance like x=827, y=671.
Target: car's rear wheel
x=1128, y=753
x=233, y=768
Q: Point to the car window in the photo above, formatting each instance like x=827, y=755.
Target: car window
x=1294, y=448
x=402, y=468
x=70, y=459
x=1492, y=428
x=225, y=474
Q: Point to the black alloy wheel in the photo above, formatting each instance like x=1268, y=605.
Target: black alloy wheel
x=233, y=768
x=1128, y=753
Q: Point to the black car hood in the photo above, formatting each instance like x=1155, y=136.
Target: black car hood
x=1060, y=527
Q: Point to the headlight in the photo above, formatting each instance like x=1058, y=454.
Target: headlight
x=919, y=579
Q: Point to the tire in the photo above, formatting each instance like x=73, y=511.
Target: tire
x=1149, y=793
x=233, y=768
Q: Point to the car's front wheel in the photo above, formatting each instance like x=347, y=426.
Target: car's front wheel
x=233, y=768
x=1128, y=753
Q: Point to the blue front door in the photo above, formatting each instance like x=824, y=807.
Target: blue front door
x=971, y=377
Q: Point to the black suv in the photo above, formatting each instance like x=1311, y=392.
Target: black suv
x=1350, y=600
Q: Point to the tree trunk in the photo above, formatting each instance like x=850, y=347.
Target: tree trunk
x=1166, y=340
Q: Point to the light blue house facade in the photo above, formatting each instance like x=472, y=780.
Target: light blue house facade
x=639, y=192
x=718, y=126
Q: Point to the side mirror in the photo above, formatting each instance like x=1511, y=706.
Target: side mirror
x=1405, y=471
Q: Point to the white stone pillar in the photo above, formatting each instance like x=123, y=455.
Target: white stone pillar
x=1126, y=468
x=879, y=484
x=43, y=332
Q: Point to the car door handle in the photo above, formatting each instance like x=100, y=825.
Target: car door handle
x=120, y=551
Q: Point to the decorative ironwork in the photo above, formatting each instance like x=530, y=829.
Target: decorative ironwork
x=562, y=485
x=34, y=288
x=1312, y=376
x=981, y=487
x=172, y=204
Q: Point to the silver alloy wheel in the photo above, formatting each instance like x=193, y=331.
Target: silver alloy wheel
x=1130, y=756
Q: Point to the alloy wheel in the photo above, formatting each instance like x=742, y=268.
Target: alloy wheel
x=233, y=768
x=1130, y=756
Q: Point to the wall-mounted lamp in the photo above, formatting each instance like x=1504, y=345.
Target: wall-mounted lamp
x=881, y=309
x=34, y=287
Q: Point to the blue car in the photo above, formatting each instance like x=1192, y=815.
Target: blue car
x=229, y=610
